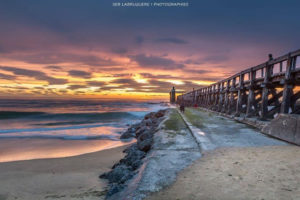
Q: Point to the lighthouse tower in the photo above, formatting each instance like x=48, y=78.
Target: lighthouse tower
x=173, y=95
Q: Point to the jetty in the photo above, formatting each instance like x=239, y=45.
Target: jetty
x=266, y=96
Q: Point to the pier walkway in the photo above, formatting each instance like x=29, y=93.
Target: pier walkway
x=238, y=162
x=212, y=131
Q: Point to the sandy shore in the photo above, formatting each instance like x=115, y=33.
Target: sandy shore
x=59, y=178
x=268, y=173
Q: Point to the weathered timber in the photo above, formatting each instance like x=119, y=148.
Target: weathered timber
x=261, y=91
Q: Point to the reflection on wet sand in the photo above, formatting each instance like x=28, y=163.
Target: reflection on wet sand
x=27, y=149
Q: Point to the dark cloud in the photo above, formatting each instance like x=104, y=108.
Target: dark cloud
x=122, y=75
x=244, y=23
x=95, y=83
x=215, y=58
x=195, y=78
x=38, y=75
x=54, y=68
x=53, y=81
x=125, y=82
x=7, y=77
x=80, y=74
x=212, y=59
x=139, y=40
x=165, y=87
x=56, y=58
x=196, y=71
x=107, y=69
x=156, y=62
x=149, y=75
x=119, y=50
x=75, y=87
x=64, y=91
x=193, y=62
x=171, y=40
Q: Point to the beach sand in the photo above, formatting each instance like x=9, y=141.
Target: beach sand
x=58, y=178
x=268, y=173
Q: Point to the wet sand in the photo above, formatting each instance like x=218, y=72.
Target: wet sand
x=58, y=178
x=33, y=148
x=268, y=173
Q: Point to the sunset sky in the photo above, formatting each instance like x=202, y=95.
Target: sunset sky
x=90, y=49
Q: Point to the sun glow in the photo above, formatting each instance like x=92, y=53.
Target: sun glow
x=138, y=78
x=176, y=82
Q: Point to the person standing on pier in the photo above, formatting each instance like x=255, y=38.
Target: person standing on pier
x=182, y=107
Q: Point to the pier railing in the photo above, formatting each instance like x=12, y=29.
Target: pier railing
x=263, y=90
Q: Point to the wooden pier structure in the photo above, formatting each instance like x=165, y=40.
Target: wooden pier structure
x=262, y=91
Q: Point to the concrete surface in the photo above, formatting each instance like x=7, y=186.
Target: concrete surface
x=285, y=127
x=218, y=131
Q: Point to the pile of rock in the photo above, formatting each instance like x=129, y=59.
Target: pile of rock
x=127, y=167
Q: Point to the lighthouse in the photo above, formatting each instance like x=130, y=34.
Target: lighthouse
x=173, y=95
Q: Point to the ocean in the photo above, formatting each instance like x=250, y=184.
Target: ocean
x=31, y=129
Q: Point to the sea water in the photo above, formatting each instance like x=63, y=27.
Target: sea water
x=31, y=129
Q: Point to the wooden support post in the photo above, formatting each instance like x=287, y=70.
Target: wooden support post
x=212, y=97
x=200, y=97
x=194, y=95
x=232, y=91
x=213, y=100
x=266, y=89
x=288, y=86
x=216, y=96
x=221, y=97
x=265, y=92
x=240, y=96
x=205, y=97
x=274, y=95
x=251, y=96
x=208, y=97
x=226, y=100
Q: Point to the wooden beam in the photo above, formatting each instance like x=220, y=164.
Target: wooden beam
x=240, y=96
x=265, y=91
x=221, y=97
x=251, y=96
x=288, y=86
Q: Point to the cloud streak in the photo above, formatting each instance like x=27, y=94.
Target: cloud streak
x=38, y=75
x=80, y=74
x=157, y=62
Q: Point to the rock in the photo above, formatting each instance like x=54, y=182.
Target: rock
x=155, y=121
x=145, y=145
x=148, y=122
x=130, y=148
x=149, y=115
x=140, y=131
x=133, y=157
x=128, y=134
x=159, y=114
x=114, y=188
x=136, y=164
x=119, y=174
x=126, y=168
x=146, y=135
